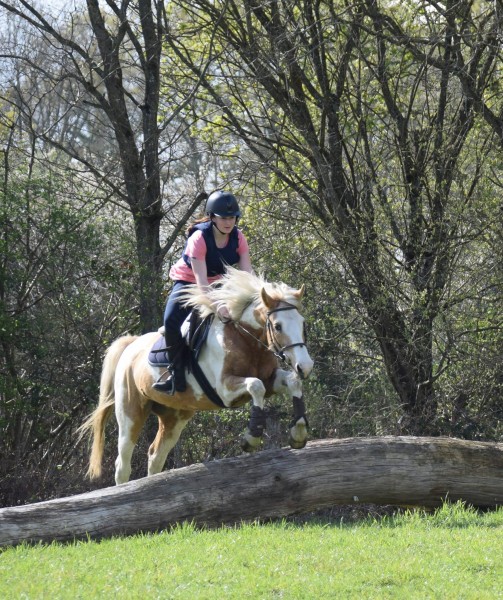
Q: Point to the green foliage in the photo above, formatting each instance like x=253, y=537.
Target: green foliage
x=377, y=166
x=64, y=294
x=367, y=172
x=348, y=393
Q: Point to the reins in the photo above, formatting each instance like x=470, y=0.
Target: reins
x=277, y=350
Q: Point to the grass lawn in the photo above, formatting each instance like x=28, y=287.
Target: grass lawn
x=454, y=553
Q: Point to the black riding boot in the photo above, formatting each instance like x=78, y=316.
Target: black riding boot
x=176, y=380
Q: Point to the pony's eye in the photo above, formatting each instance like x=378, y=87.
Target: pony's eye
x=277, y=326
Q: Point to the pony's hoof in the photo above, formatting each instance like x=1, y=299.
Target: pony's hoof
x=250, y=443
x=297, y=444
x=298, y=434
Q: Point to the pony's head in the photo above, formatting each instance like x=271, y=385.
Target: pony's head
x=276, y=306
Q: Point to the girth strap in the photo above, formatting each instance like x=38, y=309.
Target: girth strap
x=203, y=381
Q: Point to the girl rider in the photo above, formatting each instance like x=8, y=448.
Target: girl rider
x=214, y=242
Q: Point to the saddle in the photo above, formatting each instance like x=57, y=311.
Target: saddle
x=195, y=332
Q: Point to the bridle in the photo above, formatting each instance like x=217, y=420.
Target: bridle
x=279, y=351
x=272, y=343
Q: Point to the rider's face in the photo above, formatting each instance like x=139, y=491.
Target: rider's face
x=224, y=224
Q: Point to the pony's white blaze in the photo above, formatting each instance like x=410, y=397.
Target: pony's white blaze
x=292, y=333
x=291, y=323
x=239, y=360
x=300, y=361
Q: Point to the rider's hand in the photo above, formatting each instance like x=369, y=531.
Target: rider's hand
x=223, y=313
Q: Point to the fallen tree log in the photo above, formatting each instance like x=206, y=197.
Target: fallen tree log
x=273, y=483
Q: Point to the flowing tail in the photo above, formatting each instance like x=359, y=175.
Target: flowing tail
x=94, y=426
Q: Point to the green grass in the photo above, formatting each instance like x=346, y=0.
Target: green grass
x=454, y=553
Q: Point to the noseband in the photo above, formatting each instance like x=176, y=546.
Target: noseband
x=279, y=351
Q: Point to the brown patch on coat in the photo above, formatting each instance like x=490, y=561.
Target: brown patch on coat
x=180, y=400
x=168, y=420
x=136, y=407
x=247, y=355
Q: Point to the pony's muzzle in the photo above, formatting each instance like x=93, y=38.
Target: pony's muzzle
x=303, y=369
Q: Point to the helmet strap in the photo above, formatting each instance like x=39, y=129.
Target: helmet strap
x=215, y=225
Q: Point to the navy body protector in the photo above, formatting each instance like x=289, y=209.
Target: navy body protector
x=216, y=258
x=216, y=261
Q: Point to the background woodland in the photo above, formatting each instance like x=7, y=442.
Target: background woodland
x=364, y=140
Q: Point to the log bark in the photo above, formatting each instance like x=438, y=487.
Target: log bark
x=273, y=483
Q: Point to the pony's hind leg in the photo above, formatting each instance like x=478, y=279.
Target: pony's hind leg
x=171, y=425
x=123, y=461
x=131, y=418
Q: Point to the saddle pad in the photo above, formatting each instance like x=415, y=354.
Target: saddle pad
x=198, y=333
x=157, y=356
x=194, y=330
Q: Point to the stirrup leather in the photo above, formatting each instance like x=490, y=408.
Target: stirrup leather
x=167, y=385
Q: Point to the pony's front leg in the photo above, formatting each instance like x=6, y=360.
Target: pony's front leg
x=298, y=427
x=252, y=437
x=236, y=387
x=289, y=381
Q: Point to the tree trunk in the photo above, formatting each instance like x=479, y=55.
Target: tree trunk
x=149, y=272
x=406, y=345
x=273, y=483
x=139, y=153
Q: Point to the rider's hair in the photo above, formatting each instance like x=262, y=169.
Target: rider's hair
x=196, y=222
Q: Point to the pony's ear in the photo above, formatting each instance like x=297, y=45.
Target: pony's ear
x=300, y=293
x=266, y=299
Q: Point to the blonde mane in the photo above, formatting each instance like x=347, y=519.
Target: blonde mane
x=237, y=290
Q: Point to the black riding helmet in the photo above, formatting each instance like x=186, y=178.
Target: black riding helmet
x=222, y=204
